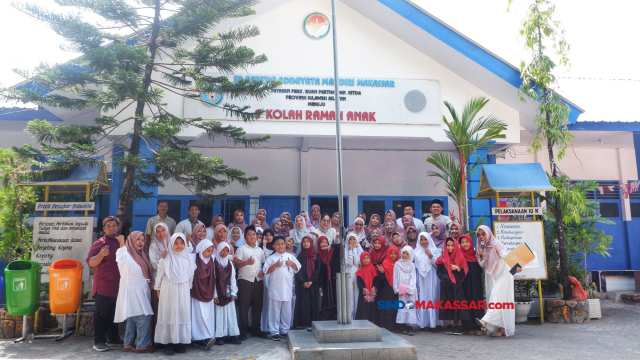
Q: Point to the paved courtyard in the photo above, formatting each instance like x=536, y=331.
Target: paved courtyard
x=615, y=336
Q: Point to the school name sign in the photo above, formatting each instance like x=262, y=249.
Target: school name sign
x=65, y=206
x=312, y=99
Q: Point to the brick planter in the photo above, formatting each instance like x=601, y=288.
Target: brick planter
x=631, y=299
x=11, y=326
x=566, y=312
x=86, y=324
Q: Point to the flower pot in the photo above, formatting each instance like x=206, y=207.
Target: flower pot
x=522, y=311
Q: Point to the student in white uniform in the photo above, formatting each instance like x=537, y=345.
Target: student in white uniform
x=404, y=284
x=427, y=281
x=133, y=304
x=203, y=311
x=267, y=247
x=173, y=283
x=281, y=267
x=352, y=264
x=227, y=330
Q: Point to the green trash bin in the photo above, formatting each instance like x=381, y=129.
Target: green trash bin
x=22, y=280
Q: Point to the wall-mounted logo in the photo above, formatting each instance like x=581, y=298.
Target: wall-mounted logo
x=210, y=101
x=316, y=26
x=19, y=284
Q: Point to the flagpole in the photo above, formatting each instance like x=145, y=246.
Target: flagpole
x=343, y=290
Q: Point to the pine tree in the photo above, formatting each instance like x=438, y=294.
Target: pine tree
x=136, y=53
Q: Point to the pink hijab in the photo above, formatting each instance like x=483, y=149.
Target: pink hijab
x=233, y=223
x=492, y=249
x=140, y=257
x=194, y=238
x=314, y=222
x=215, y=240
x=411, y=223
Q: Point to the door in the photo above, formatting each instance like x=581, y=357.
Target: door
x=276, y=205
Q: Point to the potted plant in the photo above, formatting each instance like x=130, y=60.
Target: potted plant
x=594, y=302
x=524, y=291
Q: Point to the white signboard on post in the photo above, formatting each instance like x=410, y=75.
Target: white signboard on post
x=59, y=238
x=514, y=233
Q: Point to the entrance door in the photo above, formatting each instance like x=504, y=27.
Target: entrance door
x=276, y=205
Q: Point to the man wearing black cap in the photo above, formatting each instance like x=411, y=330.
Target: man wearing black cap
x=106, y=280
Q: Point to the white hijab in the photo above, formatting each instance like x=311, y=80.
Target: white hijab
x=406, y=265
x=241, y=241
x=298, y=234
x=201, y=247
x=224, y=261
x=178, y=266
x=422, y=261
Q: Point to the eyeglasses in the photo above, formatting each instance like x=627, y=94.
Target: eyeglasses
x=358, y=224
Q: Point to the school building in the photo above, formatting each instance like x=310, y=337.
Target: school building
x=398, y=64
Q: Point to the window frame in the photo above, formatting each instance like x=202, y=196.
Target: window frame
x=344, y=197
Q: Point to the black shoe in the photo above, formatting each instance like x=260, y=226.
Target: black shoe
x=275, y=337
x=410, y=331
x=309, y=329
x=283, y=336
x=219, y=341
x=209, y=343
x=243, y=337
x=180, y=349
x=449, y=330
x=259, y=334
x=199, y=343
x=169, y=349
x=458, y=330
x=117, y=342
x=235, y=340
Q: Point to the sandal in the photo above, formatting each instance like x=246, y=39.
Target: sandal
x=482, y=324
x=497, y=334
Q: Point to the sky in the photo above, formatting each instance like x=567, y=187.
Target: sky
x=600, y=33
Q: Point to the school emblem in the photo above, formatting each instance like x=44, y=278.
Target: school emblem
x=316, y=26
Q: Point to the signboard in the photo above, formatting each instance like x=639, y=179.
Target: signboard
x=59, y=238
x=519, y=211
x=312, y=99
x=65, y=206
x=514, y=233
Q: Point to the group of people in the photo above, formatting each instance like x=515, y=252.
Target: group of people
x=185, y=283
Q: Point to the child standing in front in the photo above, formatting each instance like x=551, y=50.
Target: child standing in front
x=452, y=269
x=281, y=268
x=404, y=284
x=203, y=309
x=426, y=254
x=173, y=283
x=227, y=329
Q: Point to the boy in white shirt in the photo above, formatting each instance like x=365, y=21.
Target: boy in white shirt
x=281, y=266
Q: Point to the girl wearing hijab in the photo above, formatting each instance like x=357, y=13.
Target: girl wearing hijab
x=389, y=230
x=362, y=216
x=378, y=251
x=391, y=215
x=267, y=240
x=238, y=221
x=361, y=235
x=367, y=281
x=289, y=243
x=427, y=281
x=225, y=292
x=156, y=252
x=260, y=235
x=407, y=221
x=307, y=286
x=236, y=238
x=472, y=284
x=298, y=232
x=498, y=283
x=173, y=284
x=199, y=234
x=329, y=267
x=262, y=215
x=452, y=269
x=133, y=304
x=386, y=318
x=287, y=225
x=203, y=309
x=276, y=226
x=438, y=234
x=215, y=221
x=404, y=284
x=256, y=223
x=375, y=224
x=374, y=234
x=352, y=253
x=220, y=235
x=315, y=216
x=306, y=221
x=326, y=230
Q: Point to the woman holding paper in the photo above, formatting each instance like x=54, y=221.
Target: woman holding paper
x=498, y=284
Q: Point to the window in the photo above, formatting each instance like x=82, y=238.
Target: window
x=229, y=207
x=370, y=207
x=609, y=198
x=400, y=204
x=174, y=210
x=329, y=205
x=206, y=212
x=634, y=199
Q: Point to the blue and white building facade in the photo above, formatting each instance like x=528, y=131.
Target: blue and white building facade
x=398, y=64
